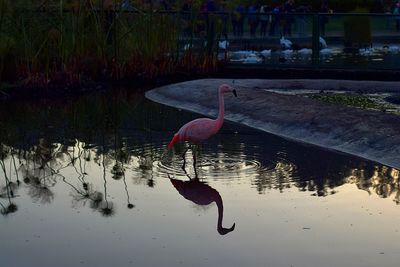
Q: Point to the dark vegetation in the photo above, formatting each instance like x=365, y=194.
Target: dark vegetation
x=68, y=47
x=57, y=47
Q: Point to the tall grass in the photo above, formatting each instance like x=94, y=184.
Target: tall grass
x=71, y=42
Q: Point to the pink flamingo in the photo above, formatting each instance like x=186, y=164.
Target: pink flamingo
x=201, y=129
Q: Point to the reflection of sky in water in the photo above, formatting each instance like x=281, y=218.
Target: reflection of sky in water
x=101, y=196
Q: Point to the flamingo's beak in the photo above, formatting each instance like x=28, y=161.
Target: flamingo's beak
x=234, y=92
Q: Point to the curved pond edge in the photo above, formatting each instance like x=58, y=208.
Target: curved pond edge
x=372, y=135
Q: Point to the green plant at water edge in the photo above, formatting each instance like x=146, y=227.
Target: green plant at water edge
x=359, y=101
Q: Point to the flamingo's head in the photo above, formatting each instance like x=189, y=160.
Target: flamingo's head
x=224, y=88
x=223, y=231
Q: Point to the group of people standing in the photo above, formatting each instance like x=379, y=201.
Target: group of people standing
x=271, y=20
x=277, y=19
x=396, y=11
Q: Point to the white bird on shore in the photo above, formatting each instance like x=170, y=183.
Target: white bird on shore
x=323, y=42
x=394, y=49
x=252, y=59
x=325, y=51
x=187, y=46
x=266, y=53
x=223, y=44
x=287, y=52
x=305, y=51
x=285, y=43
x=242, y=53
x=365, y=51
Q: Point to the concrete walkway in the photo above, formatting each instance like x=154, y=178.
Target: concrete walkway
x=368, y=134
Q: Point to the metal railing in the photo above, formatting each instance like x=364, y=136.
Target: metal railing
x=366, y=41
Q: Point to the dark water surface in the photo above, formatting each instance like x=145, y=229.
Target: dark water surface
x=88, y=182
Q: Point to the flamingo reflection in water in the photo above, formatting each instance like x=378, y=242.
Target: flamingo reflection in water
x=202, y=194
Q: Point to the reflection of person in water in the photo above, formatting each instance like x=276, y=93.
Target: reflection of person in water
x=201, y=193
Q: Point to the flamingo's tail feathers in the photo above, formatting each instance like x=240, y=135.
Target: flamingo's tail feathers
x=173, y=141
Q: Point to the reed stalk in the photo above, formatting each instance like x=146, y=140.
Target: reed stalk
x=82, y=40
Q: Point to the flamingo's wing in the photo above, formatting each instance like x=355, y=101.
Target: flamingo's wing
x=199, y=130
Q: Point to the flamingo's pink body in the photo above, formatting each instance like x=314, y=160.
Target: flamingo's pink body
x=201, y=129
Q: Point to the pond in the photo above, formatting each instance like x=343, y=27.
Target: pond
x=88, y=181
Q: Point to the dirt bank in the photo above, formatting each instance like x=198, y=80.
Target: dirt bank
x=369, y=134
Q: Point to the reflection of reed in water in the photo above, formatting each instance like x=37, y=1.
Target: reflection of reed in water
x=39, y=178
x=129, y=205
x=8, y=190
x=117, y=171
x=39, y=191
x=122, y=157
x=106, y=207
x=39, y=169
x=82, y=195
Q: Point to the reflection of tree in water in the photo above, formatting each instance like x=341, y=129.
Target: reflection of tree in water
x=121, y=157
x=322, y=177
x=47, y=151
x=142, y=165
x=146, y=169
x=278, y=177
x=117, y=171
x=41, y=166
x=384, y=181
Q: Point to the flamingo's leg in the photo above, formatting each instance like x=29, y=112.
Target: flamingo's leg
x=184, y=160
x=194, y=164
x=195, y=148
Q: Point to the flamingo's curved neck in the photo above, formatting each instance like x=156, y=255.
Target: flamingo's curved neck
x=220, y=206
x=220, y=118
x=221, y=230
